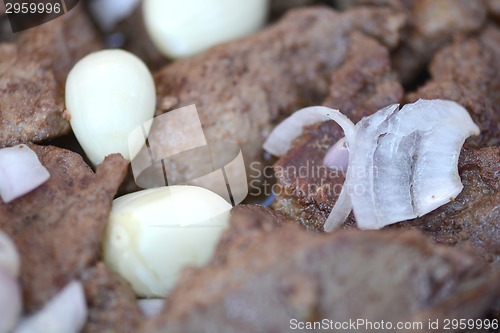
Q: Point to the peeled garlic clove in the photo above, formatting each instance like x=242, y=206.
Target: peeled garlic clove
x=65, y=313
x=108, y=94
x=10, y=301
x=183, y=28
x=9, y=257
x=153, y=234
x=108, y=13
x=151, y=307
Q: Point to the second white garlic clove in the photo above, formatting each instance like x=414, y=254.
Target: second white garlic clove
x=108, y=94
x=153, y=234
x=183, y=28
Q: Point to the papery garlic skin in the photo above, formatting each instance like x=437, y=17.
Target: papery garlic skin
x=183, y=28
x=108, y=94
x=153, y=234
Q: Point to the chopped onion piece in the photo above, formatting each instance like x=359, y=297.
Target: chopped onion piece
x=20, y=172
x=65, y=313
x=10, y=301
x=337, y=157
x=150, y=307
x=402, y=164
x=9, y=257
x=281, y=138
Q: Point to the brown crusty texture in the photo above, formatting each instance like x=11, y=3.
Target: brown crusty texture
x=468, y=72
x=32, y=76
x=431, y=24
x=289, y=273
x=57, y=227
x=363, y=84
x=111, y=301
x=241, y=88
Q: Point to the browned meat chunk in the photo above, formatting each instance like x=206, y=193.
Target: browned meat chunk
x=288, y=274
x=363, y=84
x=241, y=88
x=469, y=73
x=431, y=24
x=112, y=304
x=58, y=226
x=32, y=76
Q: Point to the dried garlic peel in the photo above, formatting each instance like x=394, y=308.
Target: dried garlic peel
x=153, y=234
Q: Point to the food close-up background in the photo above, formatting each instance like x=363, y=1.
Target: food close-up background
x=250, y=166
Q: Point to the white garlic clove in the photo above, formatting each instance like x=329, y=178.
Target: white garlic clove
x=65, y=313
x=108, y=13
x=183, y=28
x=10, y=301
x=153, y=234
x=108, y=94
x=9, y=257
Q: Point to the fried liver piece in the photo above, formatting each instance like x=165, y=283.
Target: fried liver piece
x=468, y=72
x=290, y=273
x=57, y=227
x=32, y=75
x=431, y=24
x=241, y=88
x=363, y=84
x=111, y=301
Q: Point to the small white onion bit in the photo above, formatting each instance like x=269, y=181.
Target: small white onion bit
x=281, y=138
x=20, y=172
x=402, y=164
x=65, y=313
x=10, y=301
x=337, y=156
x=9, y=257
